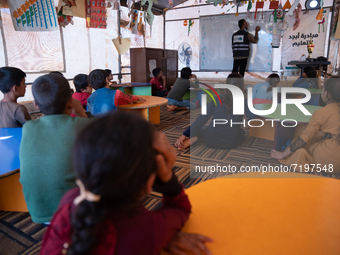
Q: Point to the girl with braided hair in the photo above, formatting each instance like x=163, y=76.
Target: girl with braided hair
x=117, y=159
x=320, y=141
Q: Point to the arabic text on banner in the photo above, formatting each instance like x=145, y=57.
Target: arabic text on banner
x=294, y=42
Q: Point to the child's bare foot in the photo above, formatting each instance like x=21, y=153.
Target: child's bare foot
x=185, y=144
x=171, y=107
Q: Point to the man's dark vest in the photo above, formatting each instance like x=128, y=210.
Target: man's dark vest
x=240, y=44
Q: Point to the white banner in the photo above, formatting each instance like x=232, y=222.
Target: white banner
x=33, y=15
x=294, y=43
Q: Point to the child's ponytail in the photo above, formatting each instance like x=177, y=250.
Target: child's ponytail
x=84, y=222
x=113, y=158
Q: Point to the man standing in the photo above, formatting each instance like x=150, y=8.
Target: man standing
x=240, y=44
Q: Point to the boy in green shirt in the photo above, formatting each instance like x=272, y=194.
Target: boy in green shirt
x=181, y=86
x=46, y=172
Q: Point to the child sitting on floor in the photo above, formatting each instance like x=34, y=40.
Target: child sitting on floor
x=105, y=99
x=12, y=85
x=158, y=83
x=308, y=79
x=181, y=86
x=46, y=171
x=83, y=89
x=319, y=144
x=104, y=215
x=220, y=136
x=263, y=92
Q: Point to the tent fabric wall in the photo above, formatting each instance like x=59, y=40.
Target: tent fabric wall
x=32, y=51
x=86, y=49
x=90, y=48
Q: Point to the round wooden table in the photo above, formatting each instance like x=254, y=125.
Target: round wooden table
x=285, y=213
x=149, y=109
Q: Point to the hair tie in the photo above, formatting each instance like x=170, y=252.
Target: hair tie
x=85, y=194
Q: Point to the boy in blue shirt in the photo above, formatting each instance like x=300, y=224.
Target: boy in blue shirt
x=105, y=99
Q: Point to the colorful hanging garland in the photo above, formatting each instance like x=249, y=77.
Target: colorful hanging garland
x=319, y=16
x=189, y=24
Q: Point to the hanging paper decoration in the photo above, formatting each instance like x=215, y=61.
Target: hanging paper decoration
x=95, y=14
x=149, y=16
x=191, y=22
x=223, y=3
x=65, y=17
x=65, y=12
x=238, y=3
x=236, y=13
x=273, y=5
x=72, y=8
x=122, y=44
x=33, y=15
x=287, y=5
x=133, y=23
x=170, y=2
x=140, y=24
x=277, y=27
x=297, y=13
x=292, y=9
x=249, y=6
x=323, y=25
x=185, y=23
x=130, y=5
x=215, y=2
x=319, y=16
x=109, y=3
x=279, y=12
x=116, y=4
x=259, y=5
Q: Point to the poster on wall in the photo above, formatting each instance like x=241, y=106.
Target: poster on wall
x=32, y=15
x=96, y=14
x=294, y=42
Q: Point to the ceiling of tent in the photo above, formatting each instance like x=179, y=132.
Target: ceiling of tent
x=158, y=8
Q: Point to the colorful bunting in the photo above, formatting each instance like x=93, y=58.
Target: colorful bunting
x=287, y=5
